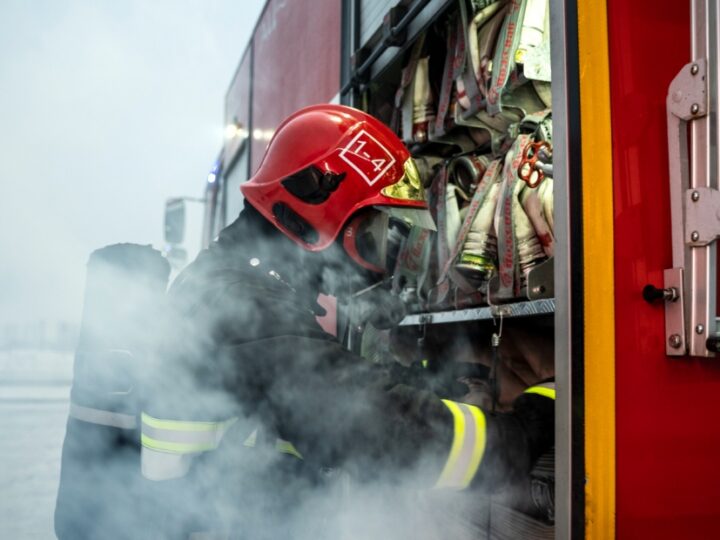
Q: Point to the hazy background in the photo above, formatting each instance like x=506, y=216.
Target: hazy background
x=107, y=107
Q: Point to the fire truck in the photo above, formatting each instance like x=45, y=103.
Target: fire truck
x=630, y=286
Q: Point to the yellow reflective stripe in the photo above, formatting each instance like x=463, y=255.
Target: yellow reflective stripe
x=251, y=441
x=175, y=447
x=479, y=446
x=457, y=444
x=542, y=391
x=180, y=425
x=468, y=446
x=286, y=447
x=281, y=445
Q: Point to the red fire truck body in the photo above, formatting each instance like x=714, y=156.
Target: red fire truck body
x=637, y=442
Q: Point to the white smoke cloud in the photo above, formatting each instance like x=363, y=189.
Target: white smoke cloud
x=351, y=484
x=108, y=108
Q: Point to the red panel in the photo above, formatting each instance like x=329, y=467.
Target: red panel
x=297, y=62
x=668, y=434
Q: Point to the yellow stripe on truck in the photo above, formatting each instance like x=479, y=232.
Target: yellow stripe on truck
x=598, y=269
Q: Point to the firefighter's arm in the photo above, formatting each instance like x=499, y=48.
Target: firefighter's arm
x=448, y=444
x=338, y=410
x=495, y=449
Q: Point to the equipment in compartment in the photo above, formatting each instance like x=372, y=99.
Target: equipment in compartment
x=472, y=102
x=471, y=99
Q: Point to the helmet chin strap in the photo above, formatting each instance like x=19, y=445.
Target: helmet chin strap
x=350, y=235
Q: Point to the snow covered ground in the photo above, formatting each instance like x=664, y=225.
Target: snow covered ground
x=34, y=397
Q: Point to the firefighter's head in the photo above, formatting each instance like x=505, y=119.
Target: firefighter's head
x=332, y=170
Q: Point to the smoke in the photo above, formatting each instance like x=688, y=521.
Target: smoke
x=241, y=343
x=108, y=109
x=237, y=341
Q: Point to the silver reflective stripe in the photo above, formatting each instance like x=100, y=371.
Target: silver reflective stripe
x=168, y=446
x=468, y=446
x=157, y=465
x=102, y=417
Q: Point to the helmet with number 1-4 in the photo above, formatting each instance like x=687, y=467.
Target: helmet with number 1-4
x=324, y=164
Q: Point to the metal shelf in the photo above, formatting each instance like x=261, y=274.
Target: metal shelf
x=518, y=309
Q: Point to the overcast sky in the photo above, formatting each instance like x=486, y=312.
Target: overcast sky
x=107, y=107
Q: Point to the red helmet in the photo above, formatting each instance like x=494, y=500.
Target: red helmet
x=326, y=162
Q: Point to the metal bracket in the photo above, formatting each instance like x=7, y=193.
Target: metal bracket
x=695, y=208
x=540, y=280
x=687, y=96
x=675, y=343
x=702, y=216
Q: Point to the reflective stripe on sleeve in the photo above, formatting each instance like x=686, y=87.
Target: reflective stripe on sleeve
x=168, y=446
x=286, y=447
x=251, y=441
x=544, y=389
x=176, y=447
x=182, y=437
x=102, y=417
x=281, y=445
x=467, y=448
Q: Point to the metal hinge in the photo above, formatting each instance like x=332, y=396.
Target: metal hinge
x=695, y=208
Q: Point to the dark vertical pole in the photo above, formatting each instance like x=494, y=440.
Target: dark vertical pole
x=569, y=278
x=251, y=94
x=577, y=307
x=346, y=46
x=350, y=44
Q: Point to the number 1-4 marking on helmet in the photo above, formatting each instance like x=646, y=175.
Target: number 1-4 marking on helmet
x=368, y=157
x=379, y=164
x=360, y=143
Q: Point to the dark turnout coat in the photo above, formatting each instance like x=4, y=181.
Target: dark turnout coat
x=253, y=418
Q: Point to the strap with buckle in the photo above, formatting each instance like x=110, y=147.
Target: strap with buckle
x=451, y=71
x=509, y=282
x=408, y=75
x=504, y=61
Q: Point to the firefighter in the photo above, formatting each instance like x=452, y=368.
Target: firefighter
x=254, y=406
